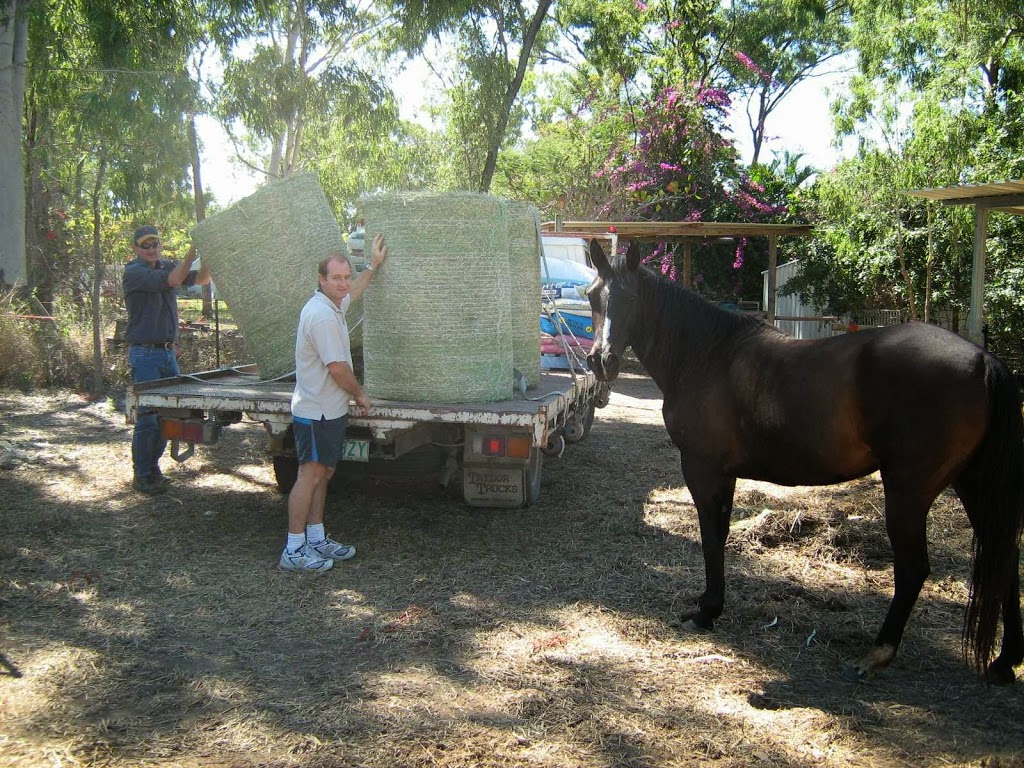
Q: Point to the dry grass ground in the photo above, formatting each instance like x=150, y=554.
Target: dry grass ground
x=158, y=632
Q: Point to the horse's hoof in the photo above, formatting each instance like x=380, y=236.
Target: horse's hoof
x=693, y=628
x=852, y=673
x=1000, y=674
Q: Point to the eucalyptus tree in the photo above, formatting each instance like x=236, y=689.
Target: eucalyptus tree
x=775, y=45
x=879, y=248
x=940, y=91
x=106, y=135
x=497, y=43
x=13, y=56
x=289, y=63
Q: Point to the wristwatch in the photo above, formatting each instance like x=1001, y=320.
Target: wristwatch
x=369, y=267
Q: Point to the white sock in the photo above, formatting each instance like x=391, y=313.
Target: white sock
x=295, y=540
x=315, y=533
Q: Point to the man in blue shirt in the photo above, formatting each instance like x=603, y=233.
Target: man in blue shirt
x=150, y=296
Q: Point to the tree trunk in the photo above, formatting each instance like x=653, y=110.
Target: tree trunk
x=278, y=150
x=512, y=93
x=13, y=52
x=98, y=386
x=200, y=200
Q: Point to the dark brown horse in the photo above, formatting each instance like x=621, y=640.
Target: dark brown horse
x=925, y=407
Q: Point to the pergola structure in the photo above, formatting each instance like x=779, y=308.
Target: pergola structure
x=685, y=233
x=1004, y=196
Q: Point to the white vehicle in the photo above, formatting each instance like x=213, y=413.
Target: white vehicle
x=565, y=247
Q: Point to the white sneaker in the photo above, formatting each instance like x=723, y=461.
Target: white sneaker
x=304, y=559
x=332, y=550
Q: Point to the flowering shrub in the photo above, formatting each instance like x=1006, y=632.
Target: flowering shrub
x=683, y=166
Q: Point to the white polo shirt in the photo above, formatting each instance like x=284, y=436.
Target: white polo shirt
x=322, y=339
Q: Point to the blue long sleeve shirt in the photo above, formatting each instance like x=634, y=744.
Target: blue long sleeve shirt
x=152, y=304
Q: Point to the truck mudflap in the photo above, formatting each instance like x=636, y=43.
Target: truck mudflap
x=500, y=468
x=503, y=484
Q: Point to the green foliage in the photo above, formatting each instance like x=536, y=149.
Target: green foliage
x=938, y=104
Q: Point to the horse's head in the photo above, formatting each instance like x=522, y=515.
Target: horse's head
x=613, y=303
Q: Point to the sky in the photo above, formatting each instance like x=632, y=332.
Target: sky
x=802, y=123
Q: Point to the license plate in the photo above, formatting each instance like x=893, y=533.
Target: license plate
x=356, y=450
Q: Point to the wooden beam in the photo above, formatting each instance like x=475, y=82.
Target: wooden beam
x=676, y=230
x=773, y=243
x=993, y=201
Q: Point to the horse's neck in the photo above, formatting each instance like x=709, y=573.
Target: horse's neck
x=667, y=333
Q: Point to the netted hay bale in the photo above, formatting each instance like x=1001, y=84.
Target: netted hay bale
x=524, y=265
x=437, y=319
x=263, y=253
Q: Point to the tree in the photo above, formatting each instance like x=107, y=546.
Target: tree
x=774, y=45
x=13, y=57
x=302, y=62
x=107, y=138
x=496, y=41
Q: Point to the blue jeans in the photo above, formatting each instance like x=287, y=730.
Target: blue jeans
x=147, y=445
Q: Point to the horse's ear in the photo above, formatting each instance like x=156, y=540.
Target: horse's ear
x=597, y=257
x=633, y=256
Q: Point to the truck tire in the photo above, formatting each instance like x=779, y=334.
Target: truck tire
x=532, y=477
x=286, y=472
x=580, y=428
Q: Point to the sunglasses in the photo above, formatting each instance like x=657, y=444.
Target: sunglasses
x=150, y=245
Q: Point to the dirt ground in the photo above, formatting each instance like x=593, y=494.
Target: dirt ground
x=158, y=632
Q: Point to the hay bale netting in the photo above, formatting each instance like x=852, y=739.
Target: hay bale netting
x=263, y=253
x=437, y=319
x=524, y=266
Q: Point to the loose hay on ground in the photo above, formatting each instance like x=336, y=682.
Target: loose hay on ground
x=148, y=633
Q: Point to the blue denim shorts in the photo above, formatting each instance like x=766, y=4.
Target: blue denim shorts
x=320, y=441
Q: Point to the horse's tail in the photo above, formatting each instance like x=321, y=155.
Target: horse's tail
x=997, y=529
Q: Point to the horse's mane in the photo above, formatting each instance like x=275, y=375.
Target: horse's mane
x=681, y=326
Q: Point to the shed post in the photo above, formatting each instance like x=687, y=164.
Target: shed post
x=773, y=255
x=976, y=316
x=687, y=263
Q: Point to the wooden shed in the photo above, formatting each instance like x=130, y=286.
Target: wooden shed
x=684, y=233
x=1003, y=196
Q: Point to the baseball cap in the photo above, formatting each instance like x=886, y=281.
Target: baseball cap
x=146, y=232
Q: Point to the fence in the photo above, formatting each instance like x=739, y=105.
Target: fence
x=803, y=322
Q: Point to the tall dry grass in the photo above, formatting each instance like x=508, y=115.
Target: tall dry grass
x=38, y=352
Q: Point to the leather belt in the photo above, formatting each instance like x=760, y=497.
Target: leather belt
x=158, y=345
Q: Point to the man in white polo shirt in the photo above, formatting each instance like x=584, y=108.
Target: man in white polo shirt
x=324, y=382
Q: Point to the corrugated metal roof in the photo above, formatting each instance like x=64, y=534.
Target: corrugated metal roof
x=1007, y=196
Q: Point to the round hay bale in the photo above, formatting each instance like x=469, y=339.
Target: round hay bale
x=524, y=265
x=263, y=253
x=437, y=322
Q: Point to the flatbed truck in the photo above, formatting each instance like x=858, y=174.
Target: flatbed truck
x=496, y=449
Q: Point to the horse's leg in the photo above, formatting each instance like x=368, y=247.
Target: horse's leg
x=712, y=494
x=906, y=514
x=1011, y=653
